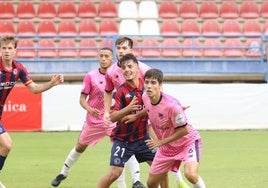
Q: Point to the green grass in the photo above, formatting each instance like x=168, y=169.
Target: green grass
x=230, y=159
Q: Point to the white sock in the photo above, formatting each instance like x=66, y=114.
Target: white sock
x=200, y=183
x=121, y=179
x=69, y=161
x=178, y=175
x=134, y=167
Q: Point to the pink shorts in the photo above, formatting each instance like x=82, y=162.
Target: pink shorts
x=163, y=164
x=93, y=134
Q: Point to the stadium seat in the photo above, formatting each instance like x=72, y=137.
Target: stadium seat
x=168, y=9
x=208, y=9
x=7, y=27
x=249, y=9
x=233, y=48
x=25, y=10
x=170, y=27
x=88, y=47
x=189, y=9
x=171, y=47
x=231, y=27
x=150, y=48
x=190, y=27
x=47, y=28
x=107, y=9
x=67, y=27
x=107, y=42
x=253, y=47
x=26, y=28
x=136, y=47
x=108, y=27
x=148, y=9
x=47, y=48
x=88, y=27
x=191, y=48
x=265, y=28
x=66, y=9
x=229, y=9
x=264, y=9
x=252, y=27
x=211, y=27
x=86, y=9
x=149, y=27
x=67, y=48
x=129, y=27
x=46, y=9
x=7, y=10
x=128, y=9
x=26, y=48
x=212, y=47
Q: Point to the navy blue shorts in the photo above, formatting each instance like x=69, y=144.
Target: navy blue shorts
x=2, y=129
x=122, y=151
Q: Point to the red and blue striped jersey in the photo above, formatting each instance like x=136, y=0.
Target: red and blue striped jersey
x=136, y=130
x=8, y=79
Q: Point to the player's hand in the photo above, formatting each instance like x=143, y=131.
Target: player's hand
x=106, y=118
x=133, y=104
x=57, y=79
x=129, y=118
x=153, y=143
x=94, y=112
x=185, y=107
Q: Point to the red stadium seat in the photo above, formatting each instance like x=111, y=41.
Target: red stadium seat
x=25, y=9
x=7, y=10
x=208, y=9
x=88, y=27
x=136, y=47
x=190, y=27
x=191, y=48
x=67, y=48
x=249, y=9
x=26, y=48
x=87, y=9
x=47, y=28
x=231, y=27
x=67, y=27
x=211, y=27
x=168, y=9
x=170, y=27
x=26, y=27
x=212, y=47
x=229, y=9
x=67, y=9
x=107, y=9
x=265, y=28
x=150, y=48
x=88, y=47
x=189, y=9
x=252, y=27
x=107, y=42
x=108, y=27
x=47, y=48
x=233, y=47
x=253, y=47
x=264, y=9
x=46, y=9
x=171, y=47
x=7, y=27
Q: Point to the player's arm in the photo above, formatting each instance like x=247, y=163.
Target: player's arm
x=38, y=88
x=107, y=105
x=83, y=102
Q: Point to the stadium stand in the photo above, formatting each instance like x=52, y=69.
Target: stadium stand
x=26, y=10
x=129, y=27
x=209, y=9
x=66, y=9
x=86, y=9
x=264, y=9
x=149, y=27
x=26, y=28
x=191, y=47
x=252, y=27
x=88, y=27
x=150, y=48
x=107, y=9
x=190, y=27
x=168, y=9
x=47, y=48
x=170, y=27
x=46, y=28
x=7, y=27
x=233, y=47
x=67, y=48
x=108, y=27
x=26, y=48
x=148, y=9
x=88, y=48
x=229, y=9
x=67, y=28
x=211, y=27
x=249, y=9
x=231, y=27
x=212, y=47
x=170, y=48
x=189, y=9
x=7, y=10
x=128, y=10
x=46, y=9
x=253, y=47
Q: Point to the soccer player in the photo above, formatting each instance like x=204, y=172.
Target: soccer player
x=177, y=141
x=91, y=99
x=114, y=78
x=132, y=123
x=11, y=72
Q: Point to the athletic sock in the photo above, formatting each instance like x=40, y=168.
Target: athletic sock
x=121, y=180
x=70, y=160
x=2, y=161
x=200, y=183
x=134, y=167
x=178, y=175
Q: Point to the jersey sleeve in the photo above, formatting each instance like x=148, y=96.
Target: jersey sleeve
x=86, y=87
x=177, y=115
x=24, y=75
x=109, y=86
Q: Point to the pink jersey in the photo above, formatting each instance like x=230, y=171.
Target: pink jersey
x=165, y=117
x=115, y=78
x=93, y=86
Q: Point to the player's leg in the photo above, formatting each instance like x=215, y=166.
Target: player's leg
x=178, y=176
x=121, y=181
x=112, y=175
x=134, y=167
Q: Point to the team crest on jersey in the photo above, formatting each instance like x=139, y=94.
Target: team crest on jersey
x=160, y=115
x=128, y=95
x=117, y=161
x=15, y=71
x=180, y=119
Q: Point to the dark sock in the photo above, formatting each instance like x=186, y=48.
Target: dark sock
x=2, y=161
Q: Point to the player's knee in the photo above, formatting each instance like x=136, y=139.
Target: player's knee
x=6, y=147
x=191, y=176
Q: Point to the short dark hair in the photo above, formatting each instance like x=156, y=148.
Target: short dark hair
x=128, y=57
x=107, y=48
x=121, y=40
x=155, y=74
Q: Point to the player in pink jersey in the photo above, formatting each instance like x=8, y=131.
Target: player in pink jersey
x=11, y=71
x=91, y=99
x=177, y=141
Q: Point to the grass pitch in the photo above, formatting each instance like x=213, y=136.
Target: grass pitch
x=230, y=159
